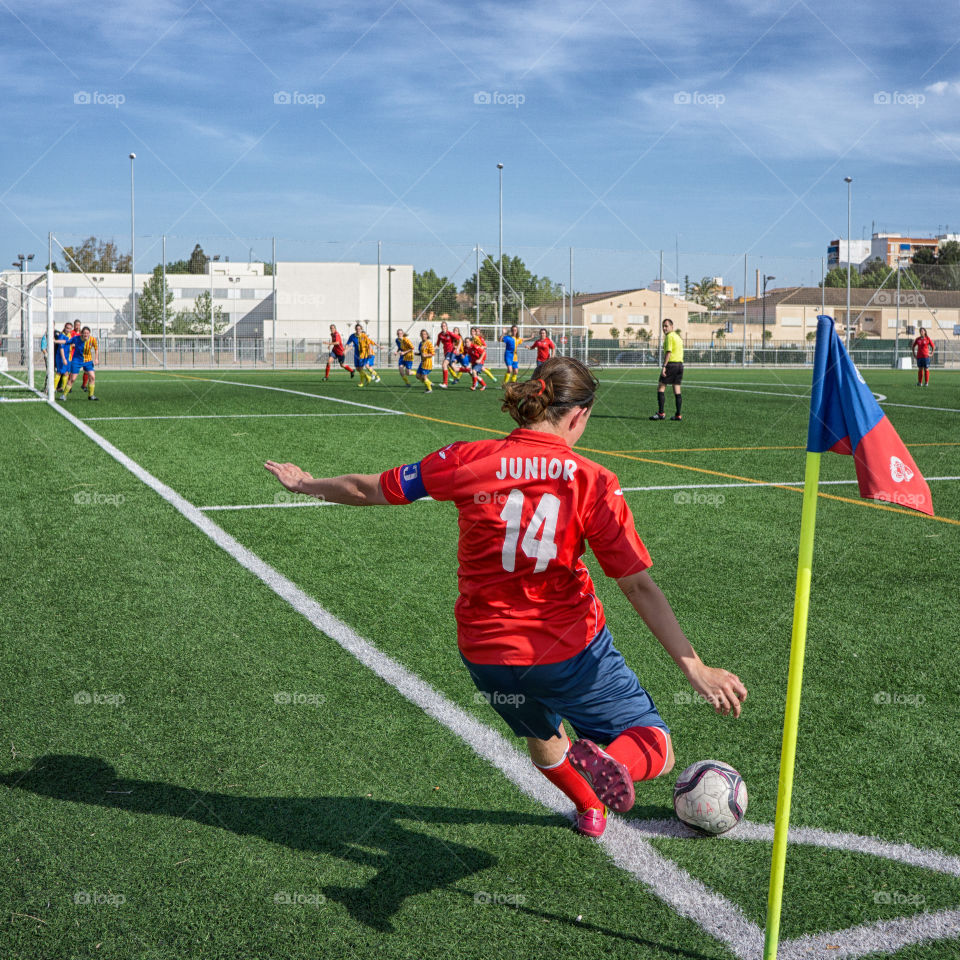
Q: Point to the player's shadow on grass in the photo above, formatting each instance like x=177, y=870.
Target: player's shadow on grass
x=358, y=830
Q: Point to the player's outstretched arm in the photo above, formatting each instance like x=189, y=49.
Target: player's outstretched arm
x=355, y=489
x=722, y=689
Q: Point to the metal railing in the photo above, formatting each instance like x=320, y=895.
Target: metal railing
x=228, y=352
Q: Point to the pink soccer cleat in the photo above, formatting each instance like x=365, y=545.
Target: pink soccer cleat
x=592, y=822
x=610, y=779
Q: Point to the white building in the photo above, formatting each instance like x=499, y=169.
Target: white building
x=670, y=288
x=305, y=297
x=842, y=252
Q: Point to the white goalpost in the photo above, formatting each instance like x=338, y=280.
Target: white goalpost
x=25, y=390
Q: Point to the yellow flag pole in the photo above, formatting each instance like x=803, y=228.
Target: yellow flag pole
x=791, y=719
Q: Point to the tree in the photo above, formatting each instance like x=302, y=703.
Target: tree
x=811, y=336
x=151, y=302
x=629, y=331
x=433, y=291
x=877, y=275
x=198, y=261
x=614, y=333
x=518, y=282
x=837, y=277
x=940, y=269
x=95, y=256
x=721, y=333
x=643, y=334
x=199, y=317
x=767, y=334
x=706, y=293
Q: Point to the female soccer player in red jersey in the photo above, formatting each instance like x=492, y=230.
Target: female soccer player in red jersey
x=337, y=353
x=544, y=346
x=922, y=349
x=530, y=628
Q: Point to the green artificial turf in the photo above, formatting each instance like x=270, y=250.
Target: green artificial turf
x=201, y=817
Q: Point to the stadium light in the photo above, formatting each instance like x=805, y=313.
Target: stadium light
x=500, y=264
x=763, y=334
x=848, y=181
x=390, y=273
x=133, y=275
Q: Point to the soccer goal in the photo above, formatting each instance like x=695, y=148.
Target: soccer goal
x=18, y=366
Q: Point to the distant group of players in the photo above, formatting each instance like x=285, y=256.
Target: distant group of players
x=458, y=356
x=75, y=351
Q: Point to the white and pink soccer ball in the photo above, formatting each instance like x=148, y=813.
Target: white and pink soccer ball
x=710, y=796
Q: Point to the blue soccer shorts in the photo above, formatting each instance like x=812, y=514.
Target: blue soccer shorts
x=595, y=691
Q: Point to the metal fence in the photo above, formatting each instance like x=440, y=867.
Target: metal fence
x=242, y=353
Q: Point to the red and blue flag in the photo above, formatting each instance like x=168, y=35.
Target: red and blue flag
x=846, y=418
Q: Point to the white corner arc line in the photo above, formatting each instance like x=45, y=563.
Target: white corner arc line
x=624, y=841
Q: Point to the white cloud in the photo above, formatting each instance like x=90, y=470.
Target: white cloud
x=944, y=86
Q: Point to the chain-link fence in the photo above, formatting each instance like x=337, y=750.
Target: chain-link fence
x=266, y=302
x=248, y=353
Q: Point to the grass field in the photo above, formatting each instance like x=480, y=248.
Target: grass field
x=190, y=767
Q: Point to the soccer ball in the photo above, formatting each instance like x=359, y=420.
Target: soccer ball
x=710, y=796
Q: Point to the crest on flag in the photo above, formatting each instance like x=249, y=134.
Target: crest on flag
x=899, y=471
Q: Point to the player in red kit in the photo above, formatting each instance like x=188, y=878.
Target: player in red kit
x=477, y=334
x=923, y=348
x=477, y=355
x=337, y=353
x=446, y=347
x=530, y=628
x=544, y=346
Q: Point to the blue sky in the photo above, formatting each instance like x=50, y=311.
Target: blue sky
x=624, y=128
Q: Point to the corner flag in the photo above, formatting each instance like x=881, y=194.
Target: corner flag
x=844, y=418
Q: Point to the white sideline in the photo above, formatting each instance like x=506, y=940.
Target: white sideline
x=624, y=841
x=243, y=416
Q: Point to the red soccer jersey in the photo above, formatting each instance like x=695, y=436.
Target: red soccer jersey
x=337, y=342
x=476, y=352
x=446, y=341
x=543, y=349
x=526, y=505
x=923, y=346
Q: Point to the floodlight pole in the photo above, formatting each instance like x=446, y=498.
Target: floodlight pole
x=896, y=335
x=274, y=340
x=848, y=181
x=659, y=308
x=500, y=264
x=390, y=272
x=51, y=346
x=763, y=335
x=743, y=357
x=379, y=271
x=133, y=274
x=570, y=352
x=163, y=258
x=477, y=291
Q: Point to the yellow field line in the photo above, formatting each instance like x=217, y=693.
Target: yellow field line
x=723, y=449
x=679, y=466
x=873, y=504
x=703, y=449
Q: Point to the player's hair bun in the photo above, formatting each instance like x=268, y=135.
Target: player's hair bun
x=556, y=385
